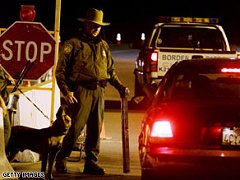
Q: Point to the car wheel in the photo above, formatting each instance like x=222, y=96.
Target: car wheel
x=147, y=175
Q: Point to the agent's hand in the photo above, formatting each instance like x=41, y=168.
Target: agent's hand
x=123, y=91
x=70, y=98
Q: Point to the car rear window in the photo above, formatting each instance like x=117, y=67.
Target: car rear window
x=205, y=86
x=189, y=37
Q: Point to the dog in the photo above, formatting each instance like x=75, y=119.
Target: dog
x=46, y=141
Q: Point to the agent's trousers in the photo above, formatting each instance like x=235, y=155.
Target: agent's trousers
x=88, y=111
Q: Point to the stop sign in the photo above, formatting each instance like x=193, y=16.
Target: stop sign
x=23, y=42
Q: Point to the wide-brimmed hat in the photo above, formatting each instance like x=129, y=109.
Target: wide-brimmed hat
x=95, y=16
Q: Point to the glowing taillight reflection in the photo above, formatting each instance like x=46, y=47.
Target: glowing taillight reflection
x=162, y=129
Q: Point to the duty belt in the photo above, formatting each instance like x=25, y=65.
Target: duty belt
x=92, y=84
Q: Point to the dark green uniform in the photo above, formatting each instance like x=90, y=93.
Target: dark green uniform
x=84, y=66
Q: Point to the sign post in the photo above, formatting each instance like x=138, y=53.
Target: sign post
x=57, y=38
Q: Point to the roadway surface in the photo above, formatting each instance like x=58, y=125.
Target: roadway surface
x=124, y=67
x=111, y=156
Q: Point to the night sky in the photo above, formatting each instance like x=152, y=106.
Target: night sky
x=129, y=17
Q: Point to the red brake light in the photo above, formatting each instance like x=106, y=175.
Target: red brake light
x=154, y=61
x=154, y=56
x=230, y=70
x=238, y=55
x=162, y=129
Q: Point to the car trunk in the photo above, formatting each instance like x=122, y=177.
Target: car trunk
x=204, y=124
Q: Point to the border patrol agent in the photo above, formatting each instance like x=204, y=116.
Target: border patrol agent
x=84, y=68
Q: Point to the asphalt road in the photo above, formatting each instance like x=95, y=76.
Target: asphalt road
x=124, y=67
x=111, y=156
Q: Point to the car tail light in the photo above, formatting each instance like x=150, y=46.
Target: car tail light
x=154, y=56
x=230, y=70
x=154, y=60
x=238, y=55
x=162, y=129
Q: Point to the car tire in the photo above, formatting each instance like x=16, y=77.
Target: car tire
x=147, y=175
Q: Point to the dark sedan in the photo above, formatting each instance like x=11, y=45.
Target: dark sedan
x=192, y=128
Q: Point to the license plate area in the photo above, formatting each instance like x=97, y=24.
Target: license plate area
x=231, y=136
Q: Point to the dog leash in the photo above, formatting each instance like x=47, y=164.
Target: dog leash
x=24, y=72
x=33, y=104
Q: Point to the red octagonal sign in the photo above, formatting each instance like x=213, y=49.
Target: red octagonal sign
x=27, y=43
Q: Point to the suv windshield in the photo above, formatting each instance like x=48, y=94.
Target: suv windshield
x=184, y=36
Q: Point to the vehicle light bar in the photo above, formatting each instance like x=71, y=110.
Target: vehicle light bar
x=230, y=70
x=188, y=20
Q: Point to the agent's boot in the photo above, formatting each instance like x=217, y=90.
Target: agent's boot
x=91, y=167
x=61, y=166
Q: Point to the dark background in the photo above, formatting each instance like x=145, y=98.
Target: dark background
x=128, y=17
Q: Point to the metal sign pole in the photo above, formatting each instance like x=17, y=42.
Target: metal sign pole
x=57, y=39
x=125, y=134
